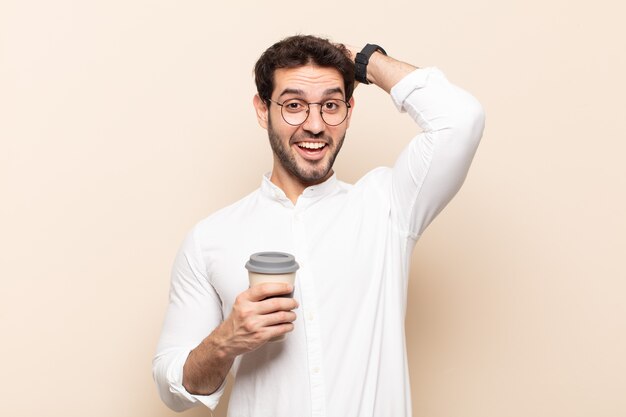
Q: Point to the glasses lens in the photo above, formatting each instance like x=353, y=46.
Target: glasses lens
x=295, y=111
x=334, y=112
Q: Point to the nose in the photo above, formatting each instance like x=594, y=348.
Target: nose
x=314, y=122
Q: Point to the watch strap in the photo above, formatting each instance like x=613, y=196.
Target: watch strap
x=362, y=59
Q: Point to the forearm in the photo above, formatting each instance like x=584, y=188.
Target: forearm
x=382, y=70
x=258, y=315
x=207, y=366
x=385, y=71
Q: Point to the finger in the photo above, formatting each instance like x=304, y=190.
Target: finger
x=278, y=330
x=272, y=305
x=276, y=318
x=268, y=289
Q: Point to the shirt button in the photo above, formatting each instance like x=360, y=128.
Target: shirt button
x=310, y=316
x=316, y=370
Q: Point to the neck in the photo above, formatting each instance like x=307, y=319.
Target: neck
x=291, y=186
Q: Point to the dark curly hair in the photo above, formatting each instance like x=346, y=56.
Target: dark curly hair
x=297, y=51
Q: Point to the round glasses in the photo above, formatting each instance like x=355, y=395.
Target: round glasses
x=295, y=111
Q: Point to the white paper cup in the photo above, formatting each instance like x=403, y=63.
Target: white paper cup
x=272, y=267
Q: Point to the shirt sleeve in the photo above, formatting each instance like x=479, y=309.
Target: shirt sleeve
x=432, y=168
x=194, y=311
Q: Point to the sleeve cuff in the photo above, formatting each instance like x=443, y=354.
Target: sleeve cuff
x=411, y=82
x=175, y=380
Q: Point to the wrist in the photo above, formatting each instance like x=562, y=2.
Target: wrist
x=218, y=343
x=362, y=61
x=375, y=63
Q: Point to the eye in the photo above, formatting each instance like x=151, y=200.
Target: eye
x=294, y=106
x=331, y=105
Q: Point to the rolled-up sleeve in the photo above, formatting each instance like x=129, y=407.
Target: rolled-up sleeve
x=194, y=311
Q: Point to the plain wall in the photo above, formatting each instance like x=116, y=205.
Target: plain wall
x=123, y=123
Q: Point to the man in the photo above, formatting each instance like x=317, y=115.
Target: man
x=345, y=353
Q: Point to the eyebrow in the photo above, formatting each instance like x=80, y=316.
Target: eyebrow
x=299, y=92
x=291, y=91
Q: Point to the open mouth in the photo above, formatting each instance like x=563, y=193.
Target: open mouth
x=311, y=146
x=312, y=151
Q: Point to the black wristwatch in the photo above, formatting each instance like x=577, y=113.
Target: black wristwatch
x=361, y=60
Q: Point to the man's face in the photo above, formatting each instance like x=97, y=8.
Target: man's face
x=306, y=152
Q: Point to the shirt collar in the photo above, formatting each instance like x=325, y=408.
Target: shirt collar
x=271, y=190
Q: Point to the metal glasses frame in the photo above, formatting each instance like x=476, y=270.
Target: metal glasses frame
x=308, y=110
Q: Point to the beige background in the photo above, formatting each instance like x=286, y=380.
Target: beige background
x=122, y=123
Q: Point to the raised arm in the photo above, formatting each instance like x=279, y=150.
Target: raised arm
x=432, y=168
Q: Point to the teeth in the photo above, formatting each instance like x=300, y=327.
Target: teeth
x=311, y=145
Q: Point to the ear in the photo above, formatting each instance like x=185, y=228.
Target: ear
x=261, y=111
x=351, y=101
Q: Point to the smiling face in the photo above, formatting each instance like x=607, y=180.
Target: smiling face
x=304, y=154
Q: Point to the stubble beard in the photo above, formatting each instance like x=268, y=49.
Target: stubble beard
x=316, y=171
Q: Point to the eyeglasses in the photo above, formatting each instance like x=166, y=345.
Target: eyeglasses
x=296, y=111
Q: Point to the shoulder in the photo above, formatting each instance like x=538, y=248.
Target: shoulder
x=378, y=179
x=373, y=188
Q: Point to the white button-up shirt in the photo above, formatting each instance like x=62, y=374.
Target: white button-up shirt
x=347, y=355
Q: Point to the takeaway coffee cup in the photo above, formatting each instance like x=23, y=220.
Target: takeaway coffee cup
x=272, y=267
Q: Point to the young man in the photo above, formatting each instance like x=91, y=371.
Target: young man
x=345, y=353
